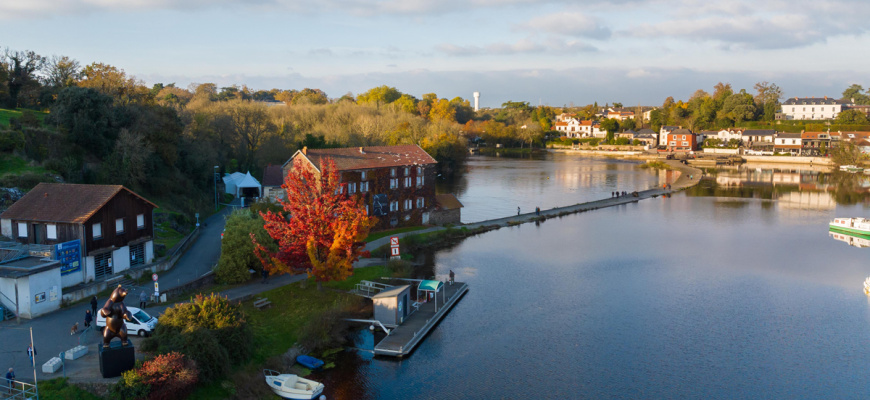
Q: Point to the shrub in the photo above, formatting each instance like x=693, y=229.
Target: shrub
x=211, y=330
x=130, y=386
x=237, y=251
x=169, y=376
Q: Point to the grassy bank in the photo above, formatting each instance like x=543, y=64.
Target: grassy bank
x=296, y=310
x=657, y=165
x=6, y=115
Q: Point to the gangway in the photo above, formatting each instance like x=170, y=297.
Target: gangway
x=368, y=289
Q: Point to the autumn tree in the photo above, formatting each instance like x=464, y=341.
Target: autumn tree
x=324, y=231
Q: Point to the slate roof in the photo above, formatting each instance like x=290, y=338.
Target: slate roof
x=789, y=135
x=354, y=158
x=447, y=201
x=273, y=175
x=681, y=132
x=815, y=101
x=64, y=202
x=647, y=131
x=759, y=132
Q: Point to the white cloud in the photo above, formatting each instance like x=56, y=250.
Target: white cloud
x=568, y=24
x=525, y=46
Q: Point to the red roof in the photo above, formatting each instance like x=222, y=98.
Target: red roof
x=64, y=202
x=273, y=175
x=352, y=158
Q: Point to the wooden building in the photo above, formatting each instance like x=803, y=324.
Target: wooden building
x=109, y=226
x=396, y=182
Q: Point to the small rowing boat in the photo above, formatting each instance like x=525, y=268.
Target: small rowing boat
x=291, y=386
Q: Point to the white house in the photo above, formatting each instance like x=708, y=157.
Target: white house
x=811, y=108
x=787, y=143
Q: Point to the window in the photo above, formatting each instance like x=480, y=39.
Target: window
x=685, y=144
x=367, y=209
x=140, y=221
x=363, y=187
x=119, y=225
x=407, y=181
x=684, y=137
x=420, y=180
x=97, y=230
x=392, y=172
x=409, y=204
x=407, y=171
x=351, y=188
x=394, y=205
x=51, y=231
x=673, y=143
x=394, y=183
x=421, y=202
x=22, y=229
x=362, y=175
x=419, y=170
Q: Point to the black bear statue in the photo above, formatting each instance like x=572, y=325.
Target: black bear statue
x=115, y=313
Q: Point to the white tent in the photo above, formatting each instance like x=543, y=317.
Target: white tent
x=231, y=181
x=248, y=182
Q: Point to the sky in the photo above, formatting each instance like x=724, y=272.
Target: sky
x=550, y=52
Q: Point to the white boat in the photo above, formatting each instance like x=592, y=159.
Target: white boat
x=851, y=168
x=290, y=386
x=867, y=286
x=855, y=226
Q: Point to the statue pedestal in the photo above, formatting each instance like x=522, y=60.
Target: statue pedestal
x=116, y=359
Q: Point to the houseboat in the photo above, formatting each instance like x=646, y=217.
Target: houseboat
x=854, y=226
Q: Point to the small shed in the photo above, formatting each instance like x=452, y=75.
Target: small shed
x=242, y=185
x=391, y=305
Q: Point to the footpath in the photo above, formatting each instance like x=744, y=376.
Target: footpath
x=51, y=332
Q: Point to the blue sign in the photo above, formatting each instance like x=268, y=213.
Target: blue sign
x=70, y=256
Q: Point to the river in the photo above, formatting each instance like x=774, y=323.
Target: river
x=733, y=289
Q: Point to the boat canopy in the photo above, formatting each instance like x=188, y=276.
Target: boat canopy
x=430, y=285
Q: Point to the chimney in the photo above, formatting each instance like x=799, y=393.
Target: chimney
x=361, y=151
x=305, y=150
x=826, y=97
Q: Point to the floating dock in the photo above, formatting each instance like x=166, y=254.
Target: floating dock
x=404, y=338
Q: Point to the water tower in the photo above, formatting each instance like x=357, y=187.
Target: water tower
x=476, y=101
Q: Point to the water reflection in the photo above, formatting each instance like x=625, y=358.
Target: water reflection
x=796, y=187
x=855, y=241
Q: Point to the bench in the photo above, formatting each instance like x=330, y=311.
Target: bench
x=262, y=303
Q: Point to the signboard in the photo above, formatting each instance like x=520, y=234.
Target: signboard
x=154, y=277
x=156, y=289
x=40, y=297
x=70, y=256
x=394, y=246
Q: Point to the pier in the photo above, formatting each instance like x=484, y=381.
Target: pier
x=402, y=339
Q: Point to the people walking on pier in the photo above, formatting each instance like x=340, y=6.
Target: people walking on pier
x=31, y=352
x=88, y=318
x=452, y=275
x=518, y=211
x=10, y=379
x=94, y=305
x=538, y=211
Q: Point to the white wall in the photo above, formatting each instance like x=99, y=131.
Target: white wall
x=90, y=269
x=121, y=259
x=44, y=282
x=74, y=278
x=7, y=287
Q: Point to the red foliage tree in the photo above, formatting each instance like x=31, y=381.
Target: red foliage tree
x=170, y=376
x=324, y=229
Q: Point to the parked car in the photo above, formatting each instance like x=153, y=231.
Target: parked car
x=142, y=323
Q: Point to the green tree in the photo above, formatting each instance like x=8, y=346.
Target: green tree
x=406, y=103
x=611, y=126
x=22, y=68
x=237, y=251
x=63, y=71
x=114, y=83
x=442, y=110
x=847, y=153
x=855, y=93
x=852, y=117
x=738, y=107
x=87, y=119
x=379, y=95
x=767, y=99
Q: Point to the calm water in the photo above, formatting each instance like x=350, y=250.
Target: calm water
x=738, y=295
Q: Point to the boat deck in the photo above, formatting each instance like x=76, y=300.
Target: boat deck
x=403, y=339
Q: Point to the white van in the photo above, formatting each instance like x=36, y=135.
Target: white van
x=142, y=323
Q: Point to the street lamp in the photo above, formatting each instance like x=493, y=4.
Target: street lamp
x=215, y=187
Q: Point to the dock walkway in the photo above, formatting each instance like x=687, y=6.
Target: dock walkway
x=403, y=339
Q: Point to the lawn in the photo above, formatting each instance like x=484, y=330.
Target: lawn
x=6, y=115
x=12, y=164
x=378, y=235
x=277, y=328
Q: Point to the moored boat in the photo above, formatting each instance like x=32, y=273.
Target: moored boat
x=855, y=226
x=854, y=241
x=851, y=168
x=867, y=286
x=309, y=362
x=290, y=386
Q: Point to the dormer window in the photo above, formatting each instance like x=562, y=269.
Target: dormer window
x=393, y=172
x=362, y=175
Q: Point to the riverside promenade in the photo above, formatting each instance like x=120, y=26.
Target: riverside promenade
x=683, y=181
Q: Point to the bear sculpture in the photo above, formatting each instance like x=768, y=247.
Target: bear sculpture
x=115, y=313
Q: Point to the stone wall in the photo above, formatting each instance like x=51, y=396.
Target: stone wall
x=445, y=217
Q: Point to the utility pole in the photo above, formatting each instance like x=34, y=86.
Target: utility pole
x=215, y=173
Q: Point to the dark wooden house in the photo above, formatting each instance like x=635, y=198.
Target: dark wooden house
x=112, y=224
x=397, y=182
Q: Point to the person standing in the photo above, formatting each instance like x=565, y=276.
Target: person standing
x=265, y=274
x=88, y=318
x=143, y=299
x=452, y=275
x=31, y=352
x=10, y=379
x=94, y=305
x=518, y=211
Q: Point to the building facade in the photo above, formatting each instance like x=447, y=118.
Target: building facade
x=811, y=108
x=682, y=140
x=787, y=143
x=397, y=183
